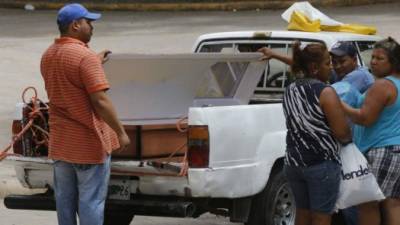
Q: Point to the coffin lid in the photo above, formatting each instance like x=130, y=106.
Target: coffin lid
x=149, y=89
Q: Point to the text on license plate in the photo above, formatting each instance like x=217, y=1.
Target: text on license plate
x=120, y=188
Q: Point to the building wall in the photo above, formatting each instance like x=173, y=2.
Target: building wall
x=175, y=5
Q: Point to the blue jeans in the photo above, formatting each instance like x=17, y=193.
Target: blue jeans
x=81, y=189
x=316, y=187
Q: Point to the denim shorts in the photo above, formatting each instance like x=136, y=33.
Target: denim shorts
x=316, y=187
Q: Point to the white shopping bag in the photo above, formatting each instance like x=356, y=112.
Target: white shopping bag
x=358, y=184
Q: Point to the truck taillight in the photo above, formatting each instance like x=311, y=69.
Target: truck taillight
x=198, y=146
x=16, y=128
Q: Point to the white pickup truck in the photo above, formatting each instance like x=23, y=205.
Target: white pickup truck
x=226, y=158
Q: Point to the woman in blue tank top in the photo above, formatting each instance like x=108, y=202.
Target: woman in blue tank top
x=379, y=136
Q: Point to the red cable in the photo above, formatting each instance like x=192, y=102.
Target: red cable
x=35, y=113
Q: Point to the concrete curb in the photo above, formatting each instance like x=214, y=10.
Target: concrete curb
x=189, y=6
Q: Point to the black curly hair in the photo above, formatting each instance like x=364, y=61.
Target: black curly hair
x=312, y=53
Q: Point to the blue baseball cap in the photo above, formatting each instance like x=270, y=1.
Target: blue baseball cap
x=343, y=48
x=75, y=11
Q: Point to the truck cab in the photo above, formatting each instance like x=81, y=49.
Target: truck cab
x=277, y=74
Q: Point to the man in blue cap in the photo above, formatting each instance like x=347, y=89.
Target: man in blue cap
x=84, y=126
x=350, y=81
x=76, y=13
x=344, y=62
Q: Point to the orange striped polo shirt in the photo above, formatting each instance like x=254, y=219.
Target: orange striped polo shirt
x=71, y=71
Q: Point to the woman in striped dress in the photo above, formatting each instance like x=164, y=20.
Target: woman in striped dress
x=316, y=127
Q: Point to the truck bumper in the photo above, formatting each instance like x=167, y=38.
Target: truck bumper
x=230, y=182
x=148, y=207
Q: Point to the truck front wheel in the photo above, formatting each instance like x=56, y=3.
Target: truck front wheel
x=274, y=205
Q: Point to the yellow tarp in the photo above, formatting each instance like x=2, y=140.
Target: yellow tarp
x=299, y=21
x=358, y=29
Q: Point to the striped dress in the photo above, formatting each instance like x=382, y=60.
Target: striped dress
x=309, y=139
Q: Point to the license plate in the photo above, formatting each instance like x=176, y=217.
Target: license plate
x=120, y=189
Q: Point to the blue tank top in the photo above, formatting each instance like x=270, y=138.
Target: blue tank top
x=386, y=129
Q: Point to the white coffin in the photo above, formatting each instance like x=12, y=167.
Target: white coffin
x=148, y=89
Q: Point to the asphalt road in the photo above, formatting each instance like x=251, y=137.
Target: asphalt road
x=24, y=35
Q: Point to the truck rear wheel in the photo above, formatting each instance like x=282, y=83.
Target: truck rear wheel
x=274, y=205
x=111, y=218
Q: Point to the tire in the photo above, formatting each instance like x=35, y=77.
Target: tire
x=117, y=218
x=275, y=205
